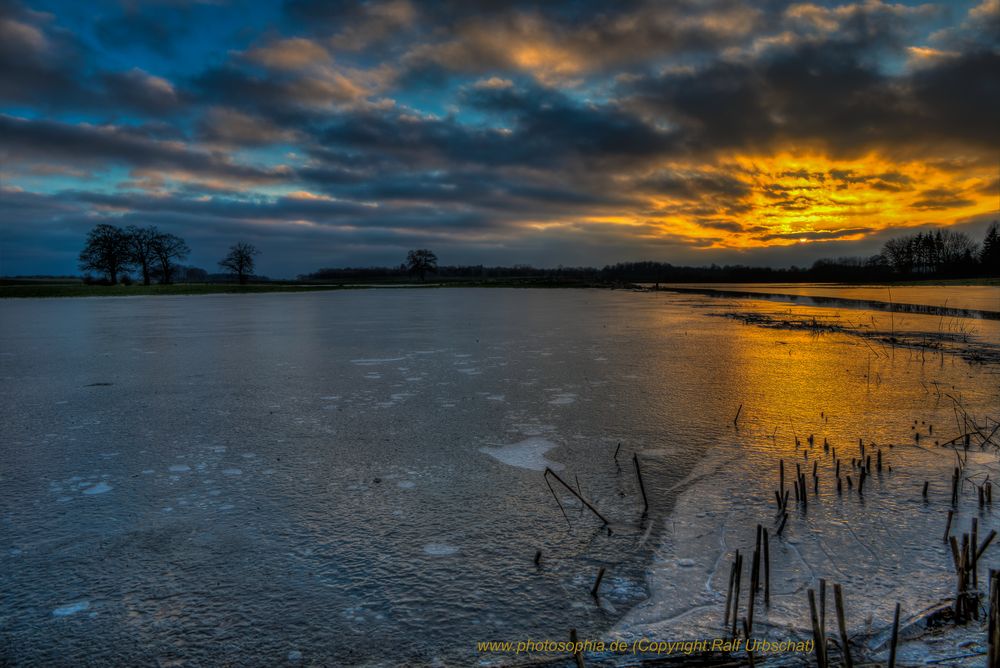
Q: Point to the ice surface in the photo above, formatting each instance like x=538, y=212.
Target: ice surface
x=528, y=454
x=276, y=376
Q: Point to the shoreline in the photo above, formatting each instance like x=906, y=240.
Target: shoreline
x=12, y=288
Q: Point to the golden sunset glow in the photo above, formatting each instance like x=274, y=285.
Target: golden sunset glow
x=803, y=198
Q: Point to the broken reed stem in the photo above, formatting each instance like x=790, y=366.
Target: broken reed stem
x=616, y=451
x=538, y=557
x=767, y=570
x=993, y=632
x=642, y=488
x=822, y=607
x=947, y=527
x=985, y=544
x=895, y=638
x=729, y=590
x=738, y=411
x=746, y=632
x=975, y=561
x=926, y=483
x=817, y=636
x=549, y=471
x=577, y=655
x=781, y=527
x=597, y=582
x=838, y=599
x=736, y=590
x=756, y=561
x=558, y=503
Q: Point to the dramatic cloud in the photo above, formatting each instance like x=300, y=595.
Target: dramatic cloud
x=500, y=132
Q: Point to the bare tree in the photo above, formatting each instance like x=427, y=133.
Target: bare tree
x=240, y=260
x=107, y=251
x=421, y=261
x=140, y=244
x=168, y=248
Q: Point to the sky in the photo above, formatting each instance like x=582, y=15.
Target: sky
x=567, y=132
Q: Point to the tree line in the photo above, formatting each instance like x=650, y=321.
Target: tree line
x=940, y=253
x=115, y=253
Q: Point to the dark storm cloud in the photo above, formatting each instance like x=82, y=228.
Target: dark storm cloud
x=938, y=199
x=693, y=186
x=50, y=68
x=24, y=139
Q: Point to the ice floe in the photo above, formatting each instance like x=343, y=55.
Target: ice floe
x=528, y=454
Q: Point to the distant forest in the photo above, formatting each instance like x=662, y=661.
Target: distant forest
x=935, y=254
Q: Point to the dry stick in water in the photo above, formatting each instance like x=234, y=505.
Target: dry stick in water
x=642, y=488
x=975, y=567
x=817, y=636
x=926, y=483
x=895, y=638
x=597, y=582
x=756, y=561
x=838, y=599
x=993, y=633
x=781, y=527
x=736, y=591
x=986, y=543
x=557, y=501
x=738, y=411
x=822, y=607
x=616, y=450
x=781, y=475
x=947, y=527
x=549, y=471
x=729, y=591
x=767, y=570
x=538, y=557
x=746, y=632
x=577, y=655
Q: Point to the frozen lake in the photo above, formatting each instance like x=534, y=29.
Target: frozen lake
x=356, y=477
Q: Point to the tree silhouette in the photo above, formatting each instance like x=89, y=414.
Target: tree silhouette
x=421, y=261
x=166, y=249
x=240, y=260
x=140, y=245
x=989, y=256
x=107, y=251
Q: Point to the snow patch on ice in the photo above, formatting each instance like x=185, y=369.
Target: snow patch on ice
x=180, y=468
x=528, y=454
x=376, y=360
x=70, y=609
x=440, y=549
x=233, y=471
x=99, y=488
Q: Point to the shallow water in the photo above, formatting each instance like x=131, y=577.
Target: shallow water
x=968, y=297
x=353, y=477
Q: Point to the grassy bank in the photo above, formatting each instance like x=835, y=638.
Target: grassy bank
x=14, y=288
x=41, y=288
x=44, y=289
